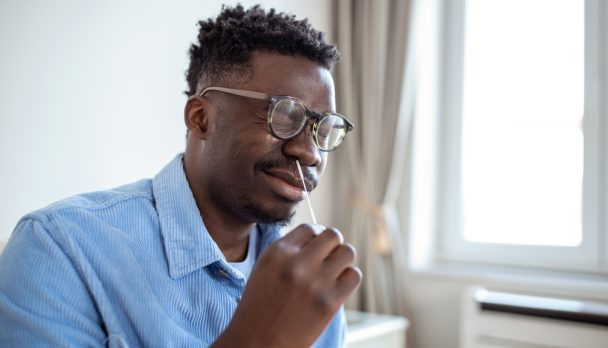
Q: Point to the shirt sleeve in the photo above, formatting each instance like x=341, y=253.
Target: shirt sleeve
x=343, y=328
x=43, y=300
x=334, y=335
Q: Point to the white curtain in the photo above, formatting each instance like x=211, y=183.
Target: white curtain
x=375, y=86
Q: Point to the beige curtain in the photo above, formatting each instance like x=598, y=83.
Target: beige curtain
x=375, y=88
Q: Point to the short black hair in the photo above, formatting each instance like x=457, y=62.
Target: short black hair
x=225, y=43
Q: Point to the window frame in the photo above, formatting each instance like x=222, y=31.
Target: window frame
x=592, y=254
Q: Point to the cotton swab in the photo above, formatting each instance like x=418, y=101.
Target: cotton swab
x=312, y=213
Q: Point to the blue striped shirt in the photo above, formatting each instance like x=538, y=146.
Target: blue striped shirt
x=129, y=267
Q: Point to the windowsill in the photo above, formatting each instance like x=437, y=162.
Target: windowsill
x=373, y=330
x=591, y=286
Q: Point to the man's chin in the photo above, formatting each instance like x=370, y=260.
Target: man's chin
x=265, y=216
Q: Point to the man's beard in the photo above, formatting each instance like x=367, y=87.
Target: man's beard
x=267, y=217
x=247, y=208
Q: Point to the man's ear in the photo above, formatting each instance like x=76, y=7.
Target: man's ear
x=196, y=116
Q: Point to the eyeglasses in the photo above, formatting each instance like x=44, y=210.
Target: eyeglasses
x=288, y=116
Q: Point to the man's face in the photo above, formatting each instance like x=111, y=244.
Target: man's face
x=249, y=173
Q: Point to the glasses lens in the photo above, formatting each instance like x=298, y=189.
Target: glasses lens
x=330, y=132
x=287, y=118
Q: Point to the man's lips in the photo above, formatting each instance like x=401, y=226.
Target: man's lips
x=292, y=179
x=286, y=185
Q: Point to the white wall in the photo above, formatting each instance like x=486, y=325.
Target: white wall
x=91, y=93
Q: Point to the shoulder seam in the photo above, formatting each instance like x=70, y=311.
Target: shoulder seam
x=92, y=205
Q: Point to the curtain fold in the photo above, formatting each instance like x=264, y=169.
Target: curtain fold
x=375, y=84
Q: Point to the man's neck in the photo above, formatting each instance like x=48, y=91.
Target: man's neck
x=231, y=238
x=230, y=234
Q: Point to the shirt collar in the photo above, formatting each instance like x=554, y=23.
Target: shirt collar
x=187, y=242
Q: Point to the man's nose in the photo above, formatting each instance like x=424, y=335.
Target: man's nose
x=304, y=149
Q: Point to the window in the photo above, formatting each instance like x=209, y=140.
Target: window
x=523, y=156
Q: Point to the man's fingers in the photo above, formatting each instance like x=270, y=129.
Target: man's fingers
x=348, y=282
x=340, y=258
x=301, y=235
x=323, y=244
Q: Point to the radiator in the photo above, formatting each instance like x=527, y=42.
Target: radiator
x=494, y=319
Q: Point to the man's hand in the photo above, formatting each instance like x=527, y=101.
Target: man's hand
x=296, y=287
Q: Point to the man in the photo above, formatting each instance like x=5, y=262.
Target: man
x=169, y=261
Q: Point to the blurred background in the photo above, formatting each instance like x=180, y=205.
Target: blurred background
x=474, y=185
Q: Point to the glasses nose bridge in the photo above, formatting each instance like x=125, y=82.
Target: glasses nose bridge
x=312, y=122
x=312, y=117
x=308, y=127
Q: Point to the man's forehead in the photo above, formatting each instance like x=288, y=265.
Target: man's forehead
x=297, y=76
